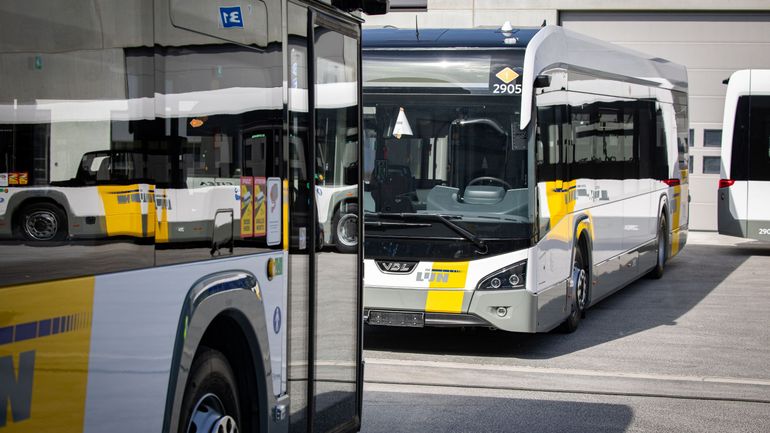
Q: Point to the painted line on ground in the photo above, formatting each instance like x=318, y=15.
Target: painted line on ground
x=569, y=371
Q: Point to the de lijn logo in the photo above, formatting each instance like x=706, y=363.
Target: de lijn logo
x=436, y=275
x=231, y=16
x=16, y=389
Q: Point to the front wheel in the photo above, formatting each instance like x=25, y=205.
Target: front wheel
x=345, y=226
x=43, y=222
x=579, y=294
x=210, y=402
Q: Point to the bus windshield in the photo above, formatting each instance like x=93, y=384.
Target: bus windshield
x=442, y=137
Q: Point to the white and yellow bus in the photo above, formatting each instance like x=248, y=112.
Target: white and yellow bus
x=158, y=268
x=515, y=177
x=743, y=207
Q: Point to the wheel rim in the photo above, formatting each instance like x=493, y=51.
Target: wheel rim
x=41, y=225
x=347, y=230
x=581, y=287
x=209, y=416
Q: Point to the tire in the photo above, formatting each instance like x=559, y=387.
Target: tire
x=661, y=249
x=210, y=400
x=41, y=222
x=345, y=229
x=582, y=284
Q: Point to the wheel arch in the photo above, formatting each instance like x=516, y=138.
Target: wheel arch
x=663, y=207
x=583, y=238
x=22, y=199
x=224, y=311
x=332, y=236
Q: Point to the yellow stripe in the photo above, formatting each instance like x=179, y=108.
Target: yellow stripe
x=679, y=203
x=60, y=358
x=440, y=301
x=560, y=197
x=123, y=211
x=285, y=215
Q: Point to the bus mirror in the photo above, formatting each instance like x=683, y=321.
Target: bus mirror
x=350, y=176
x=369, y=7
x=520, y=138
x=375, y=7
x=542, y=81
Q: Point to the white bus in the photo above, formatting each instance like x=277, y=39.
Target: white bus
x=744, y=187
x=516, y=177
x=158, y=266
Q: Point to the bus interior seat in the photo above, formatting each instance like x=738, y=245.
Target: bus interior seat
x=397, y=192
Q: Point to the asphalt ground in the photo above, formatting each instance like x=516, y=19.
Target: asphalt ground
x=688, y=352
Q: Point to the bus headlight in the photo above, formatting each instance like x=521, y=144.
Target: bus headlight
x=508, y=278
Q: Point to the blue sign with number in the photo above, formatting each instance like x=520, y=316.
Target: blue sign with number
x=231, y=16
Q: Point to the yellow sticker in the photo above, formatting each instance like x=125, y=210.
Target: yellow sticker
x=507, y=75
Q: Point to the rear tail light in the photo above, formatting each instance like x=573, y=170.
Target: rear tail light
x=672, y=182
x=726, y=183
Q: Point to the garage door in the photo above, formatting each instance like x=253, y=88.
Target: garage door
x=712, y=46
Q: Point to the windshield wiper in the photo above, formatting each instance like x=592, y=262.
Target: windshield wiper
x=395, y=224
x=445, y=219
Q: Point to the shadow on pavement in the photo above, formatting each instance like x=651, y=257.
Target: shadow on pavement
x=643, y=305
x=462, y=414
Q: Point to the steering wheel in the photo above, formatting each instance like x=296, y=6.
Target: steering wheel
x=490, y=178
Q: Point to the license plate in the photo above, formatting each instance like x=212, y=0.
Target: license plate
x=396, y=318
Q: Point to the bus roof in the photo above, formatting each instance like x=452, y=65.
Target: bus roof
x=446, y=38
x=547, y=48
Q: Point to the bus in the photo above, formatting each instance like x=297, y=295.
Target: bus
x=742, y=206
x=515, y=177
x=158, y=262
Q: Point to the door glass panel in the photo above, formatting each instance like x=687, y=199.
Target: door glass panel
x=338, y=319
x=300, y=218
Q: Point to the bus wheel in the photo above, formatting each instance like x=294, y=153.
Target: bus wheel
x=579, y=296
x=345, y=226
x=662, y=250
x=210, y=402
x=43, y=222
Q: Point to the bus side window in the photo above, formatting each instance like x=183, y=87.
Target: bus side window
x=759, y=142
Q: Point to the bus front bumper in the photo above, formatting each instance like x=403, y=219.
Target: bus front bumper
x=508, y=310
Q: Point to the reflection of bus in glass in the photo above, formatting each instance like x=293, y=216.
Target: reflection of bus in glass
x=106, y=192
x=743, y=208
x=167, y=279
x=194, y=177
x=337, y=191
x=518, y=180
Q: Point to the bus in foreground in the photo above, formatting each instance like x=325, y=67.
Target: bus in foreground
x=515, y=177
x=158, y=265
x=744, y=186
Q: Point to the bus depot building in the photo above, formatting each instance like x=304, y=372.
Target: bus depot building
x=712, y=38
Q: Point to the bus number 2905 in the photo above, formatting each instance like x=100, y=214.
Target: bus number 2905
x=507, y=89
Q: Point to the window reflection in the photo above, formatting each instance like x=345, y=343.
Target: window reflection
x=337, y=281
